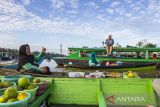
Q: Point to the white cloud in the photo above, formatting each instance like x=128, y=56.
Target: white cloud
x=101, y=17
x=136, y=8
x=27, y=2
x=14, y=17
x=110, y=11
x=128, y=1
x=128, y=14
x=18, y=18
x=121, y=11
x=73, y=3
x=154, y=6
x=58, y=4
x=8, y=40
x=105, y=1
x=92, y=4
x=72, y=11
x=114, y=4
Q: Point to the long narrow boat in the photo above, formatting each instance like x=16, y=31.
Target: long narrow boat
x=98, y=92
x=121, y=58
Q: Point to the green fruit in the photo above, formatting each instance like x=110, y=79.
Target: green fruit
x=36, y=80
x=1, y=85
x=43, y=81
x=23, y=82
x=12, y=100
x=7, y=84
x=2, y=100
x=19, y=88
x=31, y=86
x=10, y=92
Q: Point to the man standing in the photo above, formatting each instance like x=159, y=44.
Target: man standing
x=109, y=45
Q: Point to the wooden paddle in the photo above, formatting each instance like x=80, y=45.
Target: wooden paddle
x=40, y=75
x=20, y=72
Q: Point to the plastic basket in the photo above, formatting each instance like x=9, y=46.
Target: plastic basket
x=74, y=91
x=32, y=94
x=41, y=87
x=15, y=78
x=2, y=90
x=21, y=103
x=129, y=93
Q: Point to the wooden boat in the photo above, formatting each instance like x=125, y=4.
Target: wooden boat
x=121, y=58
x=5, y=56
x=98, y=93
x=102, y=92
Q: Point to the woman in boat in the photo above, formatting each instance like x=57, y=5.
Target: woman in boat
x=27, y=60
x=93, y=61
x=109, y=45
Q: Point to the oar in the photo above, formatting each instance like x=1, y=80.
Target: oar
x=22, y=71
x=41, y=75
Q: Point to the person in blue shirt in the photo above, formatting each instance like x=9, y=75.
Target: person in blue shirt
x=109, y=45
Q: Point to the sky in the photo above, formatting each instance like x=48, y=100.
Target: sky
x=77, y=23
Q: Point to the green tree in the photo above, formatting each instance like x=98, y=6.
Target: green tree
x=145, y=44
x=150, y=45
x=139, y=44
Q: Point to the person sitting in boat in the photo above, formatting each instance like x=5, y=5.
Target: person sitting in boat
x=109, y=45
x=26, y=60
x=93, y=61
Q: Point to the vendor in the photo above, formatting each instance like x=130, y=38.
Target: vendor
x=109, y=45
x=93, y=61
x=26, y=60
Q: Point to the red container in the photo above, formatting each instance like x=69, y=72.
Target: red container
x=154, y=56
x=41, y=87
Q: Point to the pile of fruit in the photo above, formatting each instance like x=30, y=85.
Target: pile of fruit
x=35, y=81
x=42, y=86
x=5, y=84
x=24, y=84
x=113, y=74
x=11, y=95
x=130, y=74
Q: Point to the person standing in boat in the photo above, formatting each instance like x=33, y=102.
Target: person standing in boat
x=27, y=60
x=109, y=45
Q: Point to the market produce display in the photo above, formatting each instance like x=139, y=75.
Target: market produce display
x=6, y=84
x=42, y=85
x=113, y=74
x=24, y=84
x=12, y=95
x=130, y=74
x=38, y=81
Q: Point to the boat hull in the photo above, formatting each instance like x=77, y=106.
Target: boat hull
x=73, y=63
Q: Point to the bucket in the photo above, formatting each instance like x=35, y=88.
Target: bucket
x=41, y=87
x=15, y=78
x=3, y=89
x=21, y=103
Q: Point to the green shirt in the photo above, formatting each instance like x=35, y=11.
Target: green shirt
x=29, y=66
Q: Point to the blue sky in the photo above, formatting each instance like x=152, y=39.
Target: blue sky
x=77, y=23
